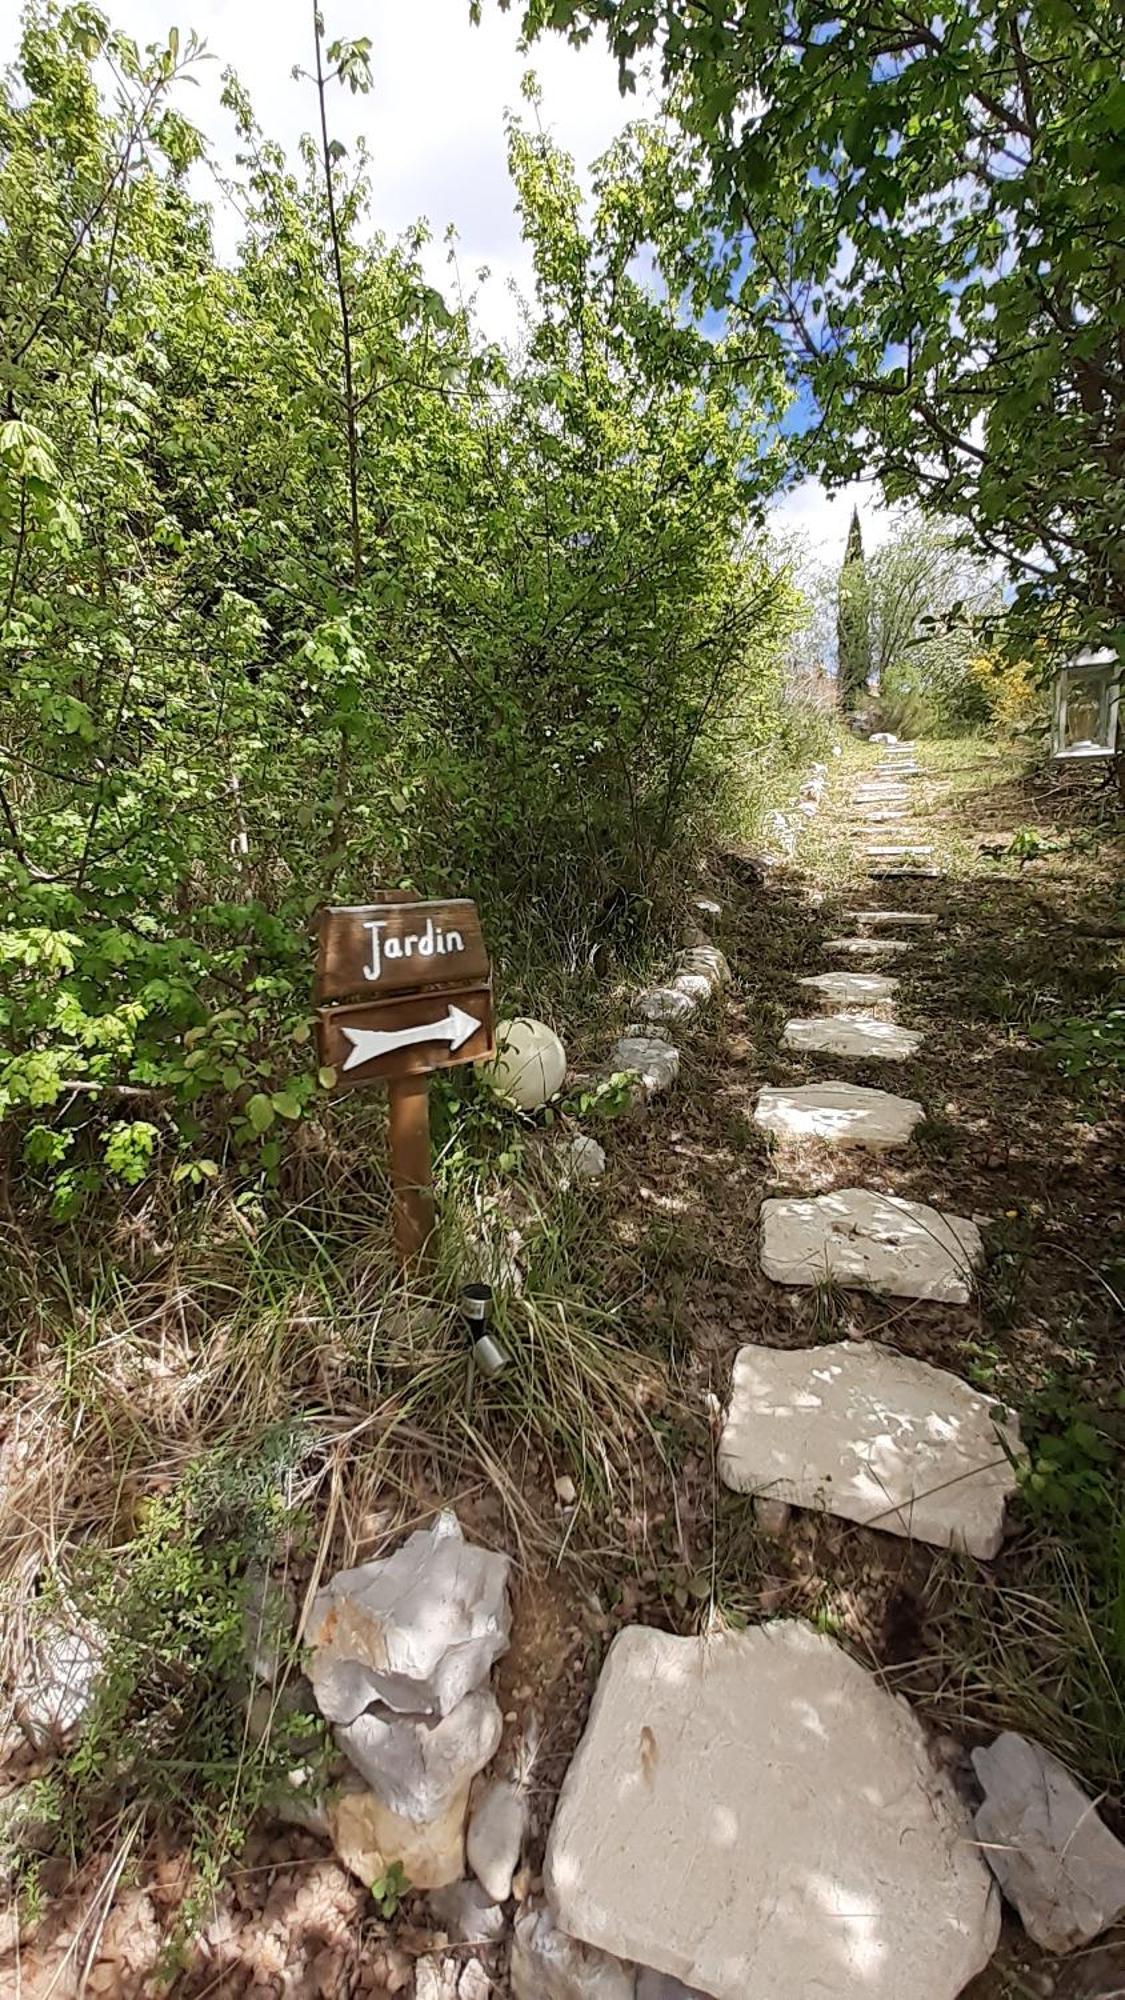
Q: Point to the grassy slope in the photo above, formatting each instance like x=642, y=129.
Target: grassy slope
x=314, y=1415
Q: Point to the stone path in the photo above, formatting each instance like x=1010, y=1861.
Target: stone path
x=749, y=1815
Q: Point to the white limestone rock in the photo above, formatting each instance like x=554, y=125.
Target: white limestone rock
x=548, y=1964
x=704, y=961
x=419, y=1764
x=838, y=1114
x=865, y=947
x=416, y=1630
x=656, y=1062
x=580, y=1159
x=851, y=989
x=752, y=1814
x=369, y=1838
x=871, y=1242
x=896, y=919
x=855, y=1429
x=497, y=1824
x=808, y=807
x=1052, y=1854
x=661, y=1986
x=57, y=1683
x=666, y=1003
x=852, y=1035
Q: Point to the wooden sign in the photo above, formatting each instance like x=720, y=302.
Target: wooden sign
x=392, y=947
x=424, y=975
x=409, y=1036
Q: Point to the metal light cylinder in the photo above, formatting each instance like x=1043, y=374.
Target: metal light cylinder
x=476, y=1310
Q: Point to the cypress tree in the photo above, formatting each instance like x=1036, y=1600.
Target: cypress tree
x=853, y=634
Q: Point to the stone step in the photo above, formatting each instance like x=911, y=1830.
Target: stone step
x=753, y=1814
x=855, y=1429
x=852, y=1035
x=863, y=947
x=839, y=1114
x=904, y=874
x=895, y=853
x=877, y=918
x=851, y=989
x=872, y=1242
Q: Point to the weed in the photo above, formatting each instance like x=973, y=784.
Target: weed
x=388, y=1890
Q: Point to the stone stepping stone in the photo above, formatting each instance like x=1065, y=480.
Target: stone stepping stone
x=872, y=1242
x=864, y=947
x=852, y=989
x=840, y=1114
x=877, y=918
x=752, y=1814
x=895, y=853
x=854, y=1429
x=852, y=1035
x=872, y=817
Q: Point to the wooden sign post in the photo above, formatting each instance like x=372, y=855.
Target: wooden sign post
x=425, y=972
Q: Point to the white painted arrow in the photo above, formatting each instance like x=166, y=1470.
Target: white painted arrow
x=367, y=1043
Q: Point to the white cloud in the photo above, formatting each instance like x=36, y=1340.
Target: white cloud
x=434, y=122
x=821, y=519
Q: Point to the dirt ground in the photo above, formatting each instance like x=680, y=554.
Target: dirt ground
x=1035, y=1156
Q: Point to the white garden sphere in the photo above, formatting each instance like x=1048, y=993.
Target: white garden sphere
x=530, y=1063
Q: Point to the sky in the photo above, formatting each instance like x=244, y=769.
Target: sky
x=434, y=126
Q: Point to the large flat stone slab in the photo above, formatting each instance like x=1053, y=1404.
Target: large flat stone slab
x=871, y=1242
x=754, y=1815
x=885, y=919
x=840, y=1114
x=857, y=1430
x=852, y=1035
x=851, y=989
x=865, y=947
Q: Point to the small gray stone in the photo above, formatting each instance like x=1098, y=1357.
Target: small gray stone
x=1051, y=1853
x=580, y=1159
x=656, y=1062
x=771, y=1516
x=418, y=1764
x=474, y=1983
x=467, y=1915
x=549, y=1965
x=497, y=1822
x=435, y=1979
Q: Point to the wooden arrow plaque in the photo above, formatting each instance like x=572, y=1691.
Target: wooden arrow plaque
x=379, y=1040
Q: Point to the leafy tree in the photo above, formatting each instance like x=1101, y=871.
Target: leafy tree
x=853, y=632
x=297, y=574
x=924, y=215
